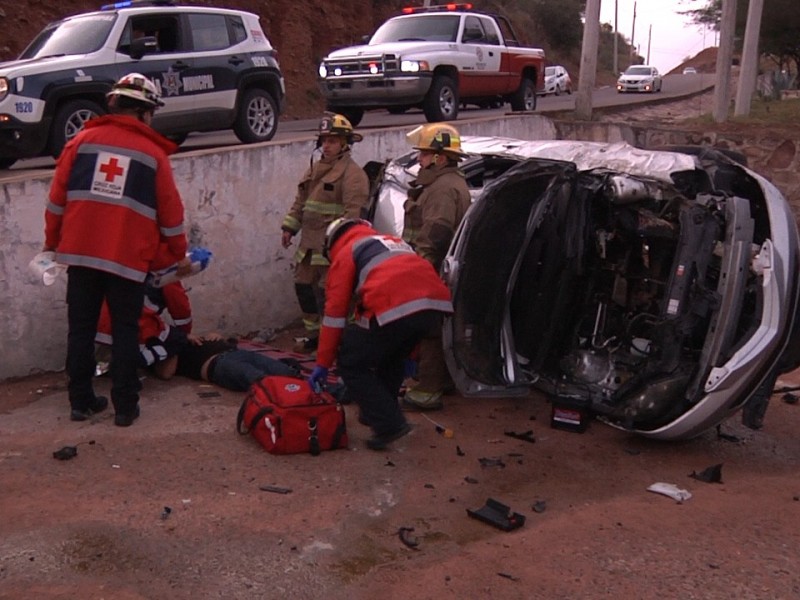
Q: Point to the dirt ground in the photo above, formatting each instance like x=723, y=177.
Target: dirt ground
x=171, y=507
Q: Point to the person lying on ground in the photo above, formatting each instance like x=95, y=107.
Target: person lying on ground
x=217, y=360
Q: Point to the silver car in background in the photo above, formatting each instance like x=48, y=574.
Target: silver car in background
x=656, y=290
x=639, y=78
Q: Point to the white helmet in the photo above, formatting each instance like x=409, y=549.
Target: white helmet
x=137, y=87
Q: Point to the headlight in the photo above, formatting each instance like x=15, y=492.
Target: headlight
x=323, y=70
x=413, y=66
x=3, y=88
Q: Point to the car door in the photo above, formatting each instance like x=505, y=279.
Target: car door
x=217, y=64
x=508, y=252
x=167, y=66
x=480, y=52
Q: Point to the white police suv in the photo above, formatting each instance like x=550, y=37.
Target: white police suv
x=215, y=67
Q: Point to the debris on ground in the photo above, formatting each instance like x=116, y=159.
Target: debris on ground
x=498, y=515
x=526, y=436
x=408, y=540
x=275, y=489
x=712, y=474
x=671, y=490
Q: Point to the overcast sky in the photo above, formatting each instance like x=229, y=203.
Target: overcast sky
x=674, y=36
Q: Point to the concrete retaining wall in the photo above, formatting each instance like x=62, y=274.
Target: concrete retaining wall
x=235, y=200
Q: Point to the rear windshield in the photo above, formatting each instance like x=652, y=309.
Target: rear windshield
x=80, y=35
x=428, y=28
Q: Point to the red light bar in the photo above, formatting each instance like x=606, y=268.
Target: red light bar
x=407, y=10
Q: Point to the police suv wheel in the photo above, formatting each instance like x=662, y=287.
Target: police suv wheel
x=257, y=120
x=441, y=103
x=69, y=120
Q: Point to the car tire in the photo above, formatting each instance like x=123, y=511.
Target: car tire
x=441, y=102
x=558, y=90
x=524, y=99
x=5, y=163
x=257, y=120
x=69, y=120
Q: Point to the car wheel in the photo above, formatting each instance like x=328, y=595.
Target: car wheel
x=69, y=120
x=441, y=103
x=525, y=97
x=257, y=120
x=5, y=163
x=558, y=90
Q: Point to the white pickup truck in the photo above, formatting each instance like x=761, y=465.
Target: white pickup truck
x=436, y=58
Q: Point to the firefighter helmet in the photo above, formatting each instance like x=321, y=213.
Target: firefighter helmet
x=336, y=229
x=333, y=124
x=137, y=87
x=437, y=137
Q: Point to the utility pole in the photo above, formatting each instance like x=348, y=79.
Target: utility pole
x=633, y=33
x=649, y=37
x=724, y=60
x=616, y=39
x=750, y=55
x=591, y=38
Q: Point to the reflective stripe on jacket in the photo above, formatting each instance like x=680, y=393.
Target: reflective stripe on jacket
x=113, y=199
x=388, y=280
x=328, y=190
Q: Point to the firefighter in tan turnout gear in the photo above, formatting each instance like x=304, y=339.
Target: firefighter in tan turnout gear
x=333, y=187
x=437, y=201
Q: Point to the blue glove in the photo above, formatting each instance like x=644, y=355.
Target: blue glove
x=318, y=376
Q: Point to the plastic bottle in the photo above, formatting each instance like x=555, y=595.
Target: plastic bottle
x=44, y=265
x=200, y=257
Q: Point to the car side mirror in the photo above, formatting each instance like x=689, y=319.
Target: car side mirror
x=143, y=45
x=365, y=39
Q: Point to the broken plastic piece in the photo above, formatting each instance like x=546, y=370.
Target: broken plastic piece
x=712, y=474
x=498, y=515
x=66, y=453
x=275, y=489
x=671, y=490
x=526, y=436
x=166, y=513
x=492, y=462
x=405, y=536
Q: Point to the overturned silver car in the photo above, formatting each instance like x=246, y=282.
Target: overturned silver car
x=656, y=289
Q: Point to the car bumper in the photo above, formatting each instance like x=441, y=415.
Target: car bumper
x=635, y=87
x=375, y=92
x=22, y=140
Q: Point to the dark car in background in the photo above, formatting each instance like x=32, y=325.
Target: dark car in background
x=654, y=289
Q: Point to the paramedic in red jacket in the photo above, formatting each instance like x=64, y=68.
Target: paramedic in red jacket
x=398, y=297
x=113, y=199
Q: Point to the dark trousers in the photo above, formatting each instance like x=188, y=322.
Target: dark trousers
x=371, y=363
x=238, y=369
x=86, y=290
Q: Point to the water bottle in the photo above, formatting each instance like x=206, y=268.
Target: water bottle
x=200, y=257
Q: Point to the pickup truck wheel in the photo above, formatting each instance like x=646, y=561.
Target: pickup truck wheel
x=525, y=97
x=69, y=120
x=257, y=120
x=7, y=162
x=353, y=114
x=441, y=103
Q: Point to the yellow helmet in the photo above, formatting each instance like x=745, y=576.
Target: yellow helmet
x=333, y=124
x=437, y=137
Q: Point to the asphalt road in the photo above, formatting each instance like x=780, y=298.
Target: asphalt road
x=675, y=86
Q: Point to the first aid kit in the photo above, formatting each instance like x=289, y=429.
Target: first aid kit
x=287, y=417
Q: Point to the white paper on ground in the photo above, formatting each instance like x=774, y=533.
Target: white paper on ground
x=671, y=490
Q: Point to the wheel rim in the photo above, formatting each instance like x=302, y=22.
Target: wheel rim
x=530, y=99
x=76, y=122
x=259, y=117
x=447, y=101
